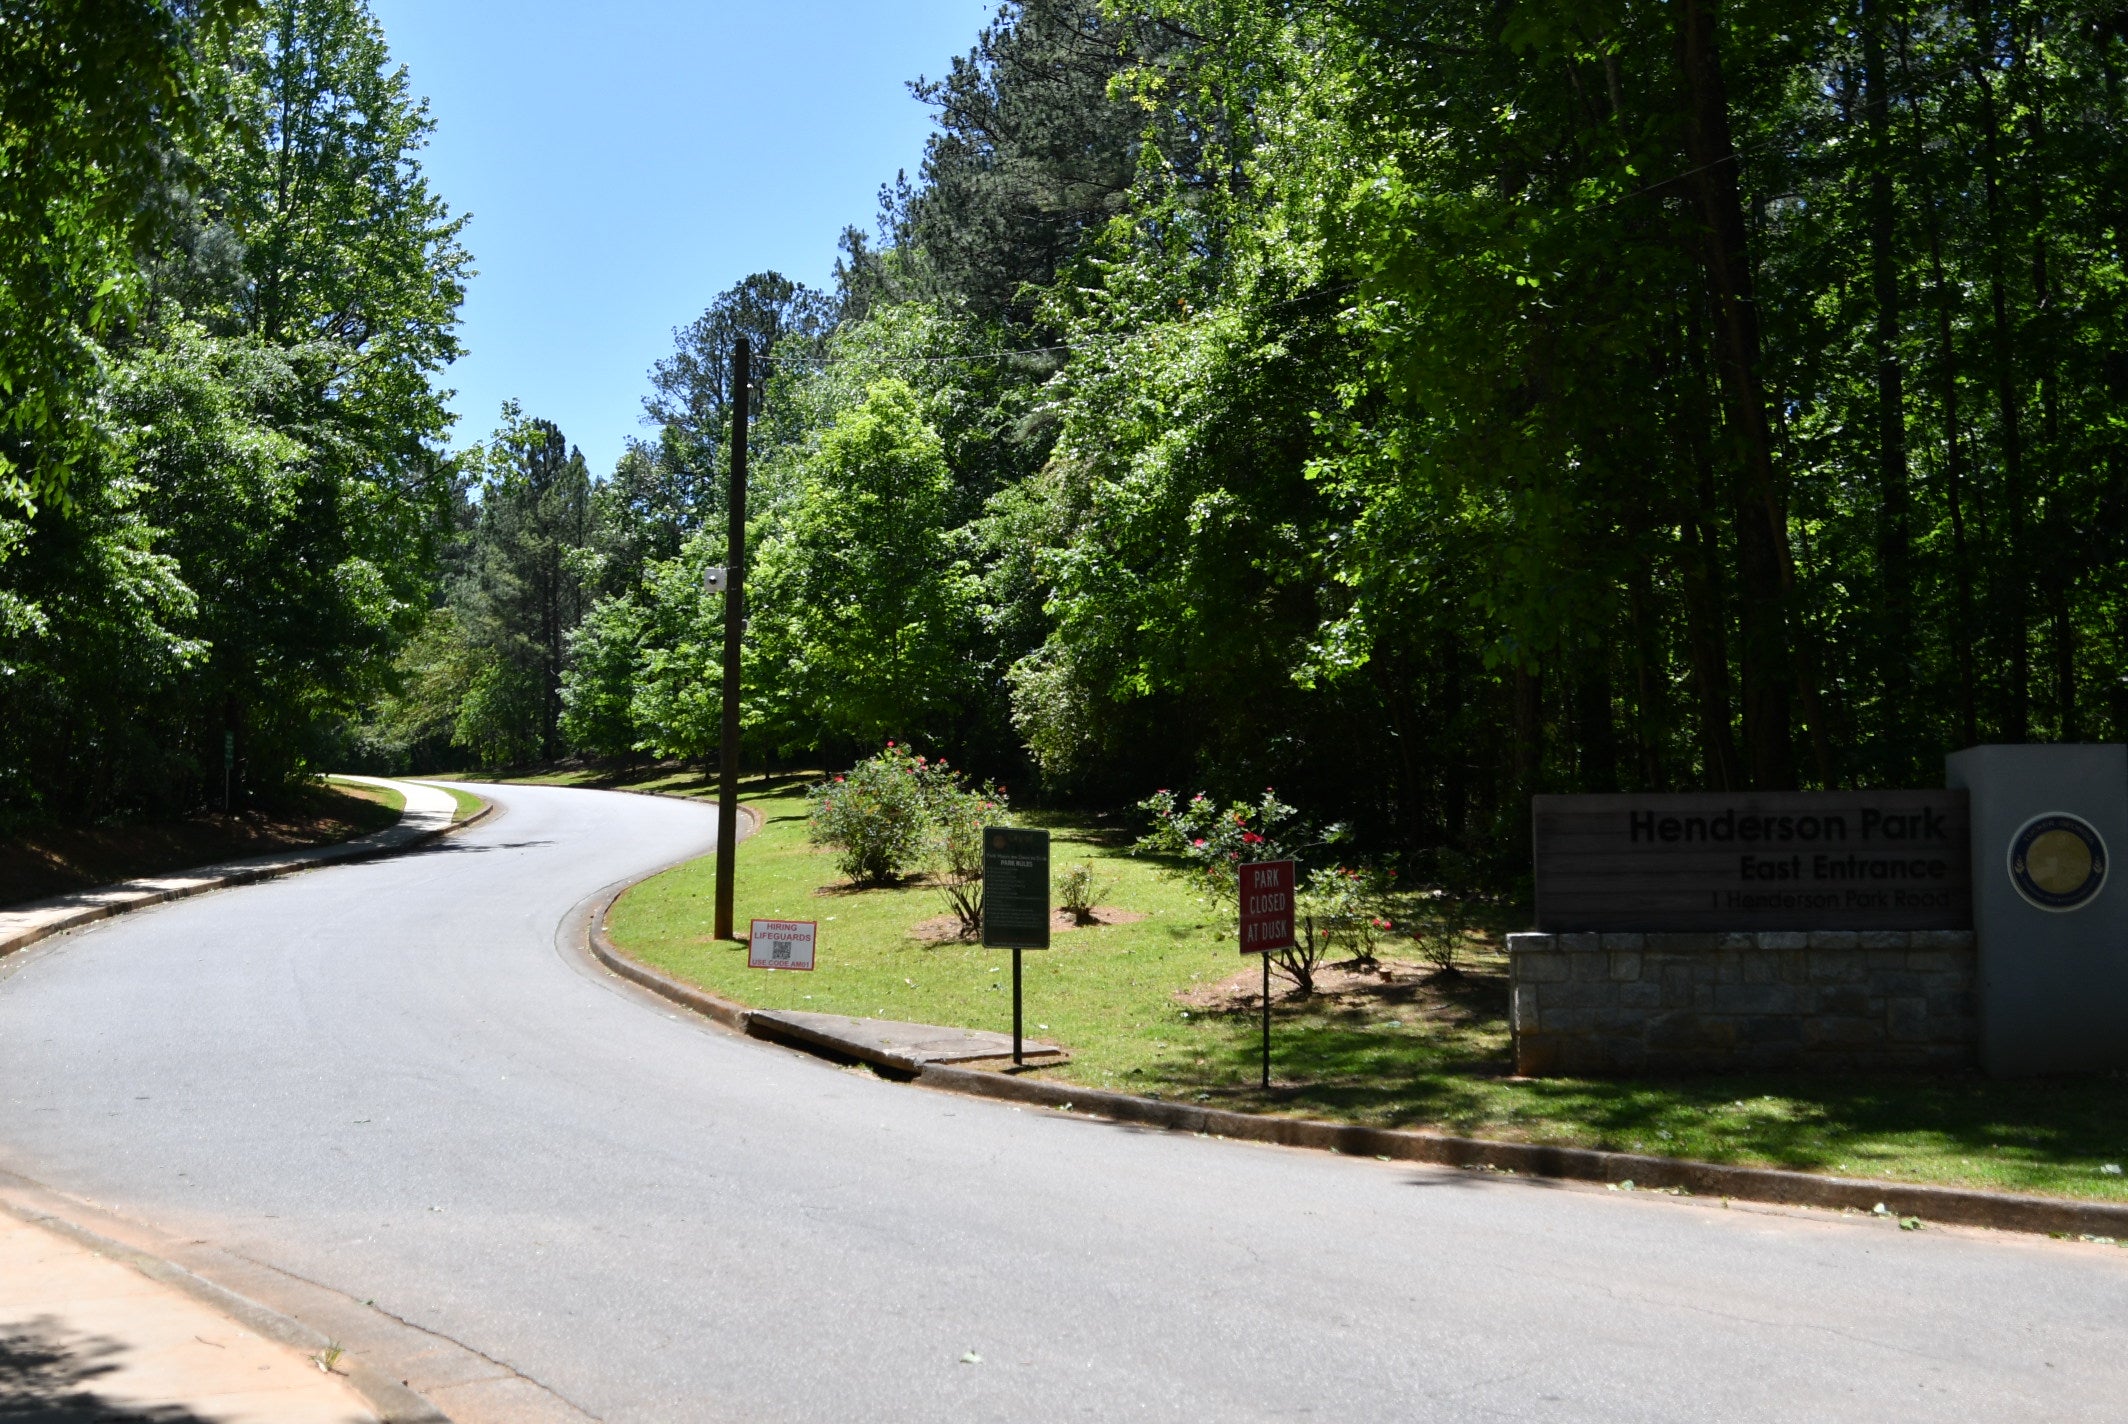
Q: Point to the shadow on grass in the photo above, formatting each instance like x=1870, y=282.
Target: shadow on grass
x=1435, y=1054
x=48, y=1376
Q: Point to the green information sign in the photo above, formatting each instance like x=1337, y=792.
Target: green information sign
x=1015, y=888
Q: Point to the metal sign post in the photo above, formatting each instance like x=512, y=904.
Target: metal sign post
x=1015, y=901
x=1267, y=924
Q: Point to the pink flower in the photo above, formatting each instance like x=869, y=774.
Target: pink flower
x=1198, y=842
x=838, y=778
x=890, y=744
x=1251, y=838
x=1383, y=925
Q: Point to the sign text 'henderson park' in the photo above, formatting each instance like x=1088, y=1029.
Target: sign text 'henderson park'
x=1753, y=860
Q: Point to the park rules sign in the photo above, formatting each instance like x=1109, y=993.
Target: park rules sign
x=1800, y=860
x=1015, y=888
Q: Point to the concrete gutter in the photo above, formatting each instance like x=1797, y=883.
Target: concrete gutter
x=427, y=815
x=1960, y=1206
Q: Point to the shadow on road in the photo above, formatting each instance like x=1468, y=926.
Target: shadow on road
x=48, y=1376
x=455, y=846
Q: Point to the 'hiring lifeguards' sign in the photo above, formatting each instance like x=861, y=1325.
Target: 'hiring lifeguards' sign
x=1266, y=906
x=781, y=944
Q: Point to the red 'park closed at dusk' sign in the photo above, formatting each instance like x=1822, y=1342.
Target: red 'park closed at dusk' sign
x=1266, y=906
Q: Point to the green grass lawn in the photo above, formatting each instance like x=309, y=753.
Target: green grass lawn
x=467, y=803
x=383, y=796
x=1153, y=1007
x=664, y=778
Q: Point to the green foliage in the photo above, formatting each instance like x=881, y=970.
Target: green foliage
x=96, y=99
x=256, y=489
x=875, y=817
x=599, y=686
x=1079, y=888
x=1207, y=844
x=861, y=599
x=897, y=810
x=1348, y=908
x=958, y=812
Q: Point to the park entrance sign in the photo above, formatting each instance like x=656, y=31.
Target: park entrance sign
x=1839, y=931
x=1807, y=860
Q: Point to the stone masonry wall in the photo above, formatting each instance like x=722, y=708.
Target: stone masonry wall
x=1822, y=1000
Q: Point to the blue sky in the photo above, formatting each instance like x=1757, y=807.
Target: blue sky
x=625, y=162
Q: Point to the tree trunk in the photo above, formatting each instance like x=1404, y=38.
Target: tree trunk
x=1945, y=301
x=1761, y=524
x=2009, y=582
x=1894, y=572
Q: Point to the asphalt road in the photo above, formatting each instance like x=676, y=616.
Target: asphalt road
x=397, y=1079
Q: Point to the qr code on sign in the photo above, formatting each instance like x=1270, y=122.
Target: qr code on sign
x=779, y=949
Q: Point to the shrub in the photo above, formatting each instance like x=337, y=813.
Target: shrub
x=1212, y=844
x=1207, y=846
x=875, y=816
x=897, y=810
x=1437, y=944
x=1078, y=889
x=957, y=814
x=1350, y=908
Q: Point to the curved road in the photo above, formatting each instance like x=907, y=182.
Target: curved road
x=400, y=1080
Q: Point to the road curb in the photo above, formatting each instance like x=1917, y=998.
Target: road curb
x=393, y=1401
x=723, y=1011
x=1950, y=1206
x=1943, y=1205
x=329, y=855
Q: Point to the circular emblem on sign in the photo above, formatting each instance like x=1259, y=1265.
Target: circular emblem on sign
x=2058, y=861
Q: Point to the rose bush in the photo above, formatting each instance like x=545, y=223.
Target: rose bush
x=874, y=817
x=896, y=811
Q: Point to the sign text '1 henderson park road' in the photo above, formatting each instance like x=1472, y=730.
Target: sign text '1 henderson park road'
x=1797, y=860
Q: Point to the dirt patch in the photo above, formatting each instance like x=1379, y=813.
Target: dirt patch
x=1062, y=920
x=52, y=860
x=921, y=880
x=940, y=929
x=1410, y=990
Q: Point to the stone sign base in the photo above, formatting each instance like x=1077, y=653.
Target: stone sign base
x=1821, y=1000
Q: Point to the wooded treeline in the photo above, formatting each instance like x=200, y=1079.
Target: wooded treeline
x=1408, y=405
x=223, y=478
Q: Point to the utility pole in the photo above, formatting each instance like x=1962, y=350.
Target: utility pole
x=734, y=625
